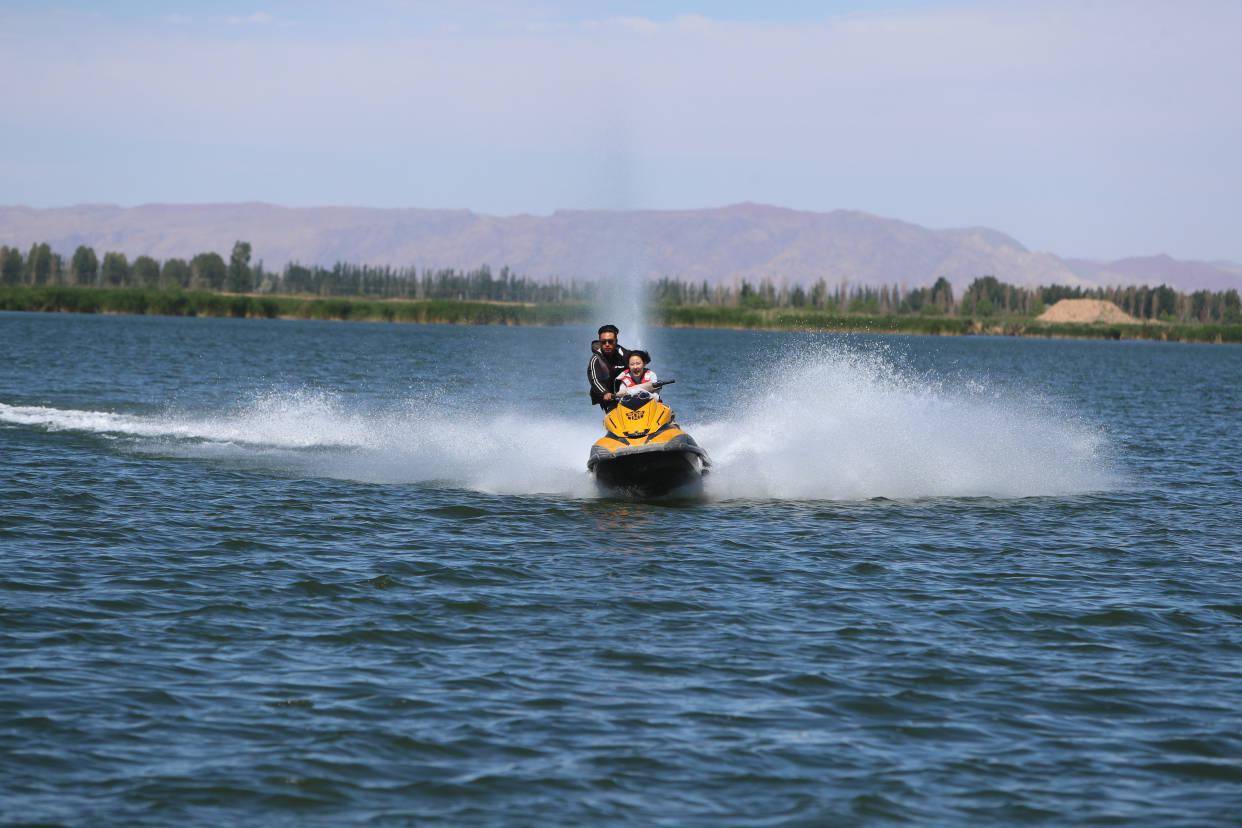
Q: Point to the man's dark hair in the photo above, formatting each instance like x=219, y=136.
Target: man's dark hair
x=612, y=329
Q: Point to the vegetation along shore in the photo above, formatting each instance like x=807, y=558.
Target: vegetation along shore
x=207, y=285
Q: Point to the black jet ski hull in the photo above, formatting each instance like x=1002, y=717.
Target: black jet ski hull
x=650, y=471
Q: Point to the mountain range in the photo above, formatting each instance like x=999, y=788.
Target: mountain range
x=717, y=245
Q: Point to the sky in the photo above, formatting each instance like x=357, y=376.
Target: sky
x=1094, y=129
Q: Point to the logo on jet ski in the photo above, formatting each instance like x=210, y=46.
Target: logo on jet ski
x=635, y=415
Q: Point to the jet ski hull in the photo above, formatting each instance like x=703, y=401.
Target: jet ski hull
x=651, y=470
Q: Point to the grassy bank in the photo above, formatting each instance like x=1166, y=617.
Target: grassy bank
x=703, y=316
x=696, y=316
x=204, y=303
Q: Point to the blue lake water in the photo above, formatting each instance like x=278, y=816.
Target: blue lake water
x=274, y=572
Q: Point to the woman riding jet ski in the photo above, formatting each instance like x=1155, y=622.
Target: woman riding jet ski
x=644, y=450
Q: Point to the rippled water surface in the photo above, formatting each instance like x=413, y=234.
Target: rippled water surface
x=312, y=573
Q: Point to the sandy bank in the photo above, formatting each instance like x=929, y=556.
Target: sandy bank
x=1087, y=311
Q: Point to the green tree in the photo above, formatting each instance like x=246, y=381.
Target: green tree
x=864, y=301
x=819, y=294
x=145, y=272
x=115, y=269
x=207, y=272
x=264, y=282
x=39, y=264
x=1231, y=307
x=240, y=277
x=1164, y=302
x=750, y=297
x=11, y=266
x=175, y=274
x=84, y=266
x=942, y=295
x=985, y=295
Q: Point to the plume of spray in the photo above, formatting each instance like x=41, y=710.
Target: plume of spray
x=623, y=298
x=630, y=311
x=832, y=423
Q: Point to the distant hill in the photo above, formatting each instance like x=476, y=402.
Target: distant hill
x=1151, y=270
x=720, y=245
x=1228, y=267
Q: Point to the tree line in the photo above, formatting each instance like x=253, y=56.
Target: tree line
x=985, y=297
x=206, y=271
x=209, y=271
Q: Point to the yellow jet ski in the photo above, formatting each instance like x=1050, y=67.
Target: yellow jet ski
x=644, y=451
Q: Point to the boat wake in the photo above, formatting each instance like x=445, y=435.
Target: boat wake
x=829, y=424
x=322, y=435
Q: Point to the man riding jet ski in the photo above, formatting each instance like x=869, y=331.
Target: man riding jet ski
x=608, y=359
x=643, y=449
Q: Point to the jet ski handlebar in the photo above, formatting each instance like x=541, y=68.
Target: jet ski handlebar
x=655, y=386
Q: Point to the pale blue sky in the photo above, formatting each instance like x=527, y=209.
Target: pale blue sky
x=1096, y=129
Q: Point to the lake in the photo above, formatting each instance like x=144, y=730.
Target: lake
x=279, y=572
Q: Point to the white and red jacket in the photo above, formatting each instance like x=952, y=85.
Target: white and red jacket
x=629, y=385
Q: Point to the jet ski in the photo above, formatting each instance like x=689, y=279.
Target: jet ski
x=644, y=451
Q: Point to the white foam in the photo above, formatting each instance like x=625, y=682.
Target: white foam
x=838, y=424
x=295, y=421
x=828, y=424
x=320, y=435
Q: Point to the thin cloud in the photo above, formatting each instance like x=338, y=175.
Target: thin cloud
x=258, y=18
x=680, y=24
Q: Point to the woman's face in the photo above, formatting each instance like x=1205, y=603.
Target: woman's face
x=637, y=365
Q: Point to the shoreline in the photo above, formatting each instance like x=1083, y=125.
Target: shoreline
x=155, y=302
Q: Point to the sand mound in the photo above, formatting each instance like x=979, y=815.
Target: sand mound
x=1087, y=310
